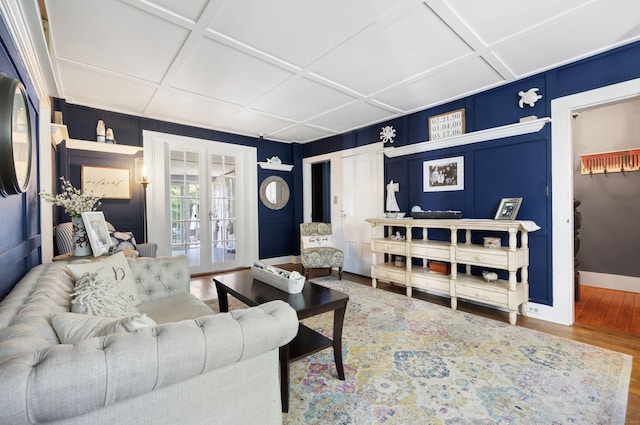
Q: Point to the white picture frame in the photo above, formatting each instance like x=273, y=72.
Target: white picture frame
x=447, y=125
x=97, y=232
x=445, y=174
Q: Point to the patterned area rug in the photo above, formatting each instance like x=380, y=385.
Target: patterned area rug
x=408, y=361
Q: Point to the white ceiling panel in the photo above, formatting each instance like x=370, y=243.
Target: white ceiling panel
x=188, y=9
x=301, y=134
x=221, y=72
x=450, y=82
x=300, y=70
x=255, y=123
x=111, y=35
x=392, y=51
x=176, y=106
x=350, y=117
x=95, y=89
x=549, y=45
x=295, y=31
x=493, y=20
x=292, y=99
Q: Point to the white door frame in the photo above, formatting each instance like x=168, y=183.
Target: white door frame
x=335, y=159
x=156, y=158
x=562, y=108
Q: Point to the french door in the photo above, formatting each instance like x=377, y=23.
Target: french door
x=203, y=201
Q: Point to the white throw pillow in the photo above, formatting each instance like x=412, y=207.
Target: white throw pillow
x=73, y=327
x=100, y=295
x=319, y=241
x=114, y=267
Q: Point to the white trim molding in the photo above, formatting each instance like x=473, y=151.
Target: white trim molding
x=562, y=108
x=25, y=26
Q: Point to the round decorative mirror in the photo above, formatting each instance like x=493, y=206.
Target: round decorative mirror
x=274, y=192
x=15, y=137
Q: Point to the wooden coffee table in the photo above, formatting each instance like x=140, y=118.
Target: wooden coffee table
x=313, y=300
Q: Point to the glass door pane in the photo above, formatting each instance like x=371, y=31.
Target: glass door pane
x=184, y=199
x=223, y=209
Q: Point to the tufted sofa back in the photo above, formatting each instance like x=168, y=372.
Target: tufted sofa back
x=25, y=311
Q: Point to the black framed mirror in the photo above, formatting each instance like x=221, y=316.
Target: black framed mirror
x=15, y=137
x=274, y=192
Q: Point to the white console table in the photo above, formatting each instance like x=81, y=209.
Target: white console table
x=509, y=294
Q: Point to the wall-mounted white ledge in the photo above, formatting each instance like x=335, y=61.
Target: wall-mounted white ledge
x=102, y=147
x=273, y=166
x=469, y=138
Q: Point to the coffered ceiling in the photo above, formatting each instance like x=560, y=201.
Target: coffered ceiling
x=301, y=70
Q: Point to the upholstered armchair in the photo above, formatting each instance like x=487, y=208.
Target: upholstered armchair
x=63, y=237
x=317, y=249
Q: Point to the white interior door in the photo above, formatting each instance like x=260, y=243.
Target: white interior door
x=203, y=202
x=362, y=191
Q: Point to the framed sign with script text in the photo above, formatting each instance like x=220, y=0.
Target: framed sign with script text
x=446, y=125
x=107, y=182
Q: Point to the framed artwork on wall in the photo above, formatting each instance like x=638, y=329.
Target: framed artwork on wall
x=508, y=209
x=443, y=174
x=107, y=182
x=447, y=125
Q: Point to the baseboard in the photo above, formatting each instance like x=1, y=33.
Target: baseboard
x=610, y=281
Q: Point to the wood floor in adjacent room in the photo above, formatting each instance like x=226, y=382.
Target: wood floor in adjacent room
x=596, y=310
x=609, y=309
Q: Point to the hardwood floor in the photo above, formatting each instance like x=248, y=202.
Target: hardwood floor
x=621, y=337
x=609, y=309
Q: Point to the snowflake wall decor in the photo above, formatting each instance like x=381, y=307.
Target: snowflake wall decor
x=387, y=134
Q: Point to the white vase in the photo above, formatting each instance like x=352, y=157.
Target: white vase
x=81, y=246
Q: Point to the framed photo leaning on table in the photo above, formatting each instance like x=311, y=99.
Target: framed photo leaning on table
x=97, y=232
x=508, y=209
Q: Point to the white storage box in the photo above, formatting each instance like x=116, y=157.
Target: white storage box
x=292, y=286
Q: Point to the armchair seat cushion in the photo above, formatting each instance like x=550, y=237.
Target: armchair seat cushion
x=322, y=257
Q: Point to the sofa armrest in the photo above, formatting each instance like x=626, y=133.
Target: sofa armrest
x=147, y=249
x=160, y=277
x=72, y=379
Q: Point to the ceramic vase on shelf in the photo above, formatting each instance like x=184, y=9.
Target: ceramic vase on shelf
x=81, y=246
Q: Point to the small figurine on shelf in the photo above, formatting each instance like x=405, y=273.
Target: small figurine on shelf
x=109, y=136
x=100, y=132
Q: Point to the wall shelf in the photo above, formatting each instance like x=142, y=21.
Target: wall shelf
x=274, y=166
x=102, y=147
x=469, y=138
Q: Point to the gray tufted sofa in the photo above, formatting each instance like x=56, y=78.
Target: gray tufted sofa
x=195, y=367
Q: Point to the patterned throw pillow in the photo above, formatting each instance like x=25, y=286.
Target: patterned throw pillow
x=122, y=240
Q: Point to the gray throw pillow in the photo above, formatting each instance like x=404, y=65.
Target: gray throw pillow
x=99, y=295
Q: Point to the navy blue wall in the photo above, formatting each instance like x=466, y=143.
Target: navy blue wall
x=20, y=231
x=518, y=166
x=275, y=235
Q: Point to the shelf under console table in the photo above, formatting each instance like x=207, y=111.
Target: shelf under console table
x=513, y=257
